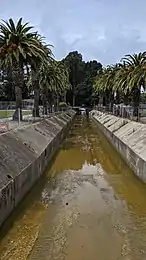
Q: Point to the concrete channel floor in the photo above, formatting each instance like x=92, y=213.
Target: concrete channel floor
x=88, y=205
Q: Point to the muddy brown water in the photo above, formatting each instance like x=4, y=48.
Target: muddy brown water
x=87, y=205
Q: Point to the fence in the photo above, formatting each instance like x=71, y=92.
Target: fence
x=7, y=110
x=126, y=111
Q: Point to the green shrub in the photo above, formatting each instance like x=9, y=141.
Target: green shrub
x=62, y=104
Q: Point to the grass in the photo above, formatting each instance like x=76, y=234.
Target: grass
x=9, y=113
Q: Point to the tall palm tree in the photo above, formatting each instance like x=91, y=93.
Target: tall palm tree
x=41, y=61
x=18, y=45
x=105, y=81
x=121, y=82
x=133, y=76
x=54, y=78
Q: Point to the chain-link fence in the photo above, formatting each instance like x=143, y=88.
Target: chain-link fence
x=7, y=110
x=126, y=111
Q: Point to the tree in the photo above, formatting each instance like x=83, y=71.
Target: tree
x=75, y=67
x=134, y=76
x=18, y=46
x=54, y=79
x=103, y=84
x=125, y=79
x=81, y=76
x=40, y=61
x=85, y=88
x=121, y=83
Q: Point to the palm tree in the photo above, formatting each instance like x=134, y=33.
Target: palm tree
x=121, y=82
x=41, y=61
x=104, y=83
x=133, y=77
x=54, y=78
x=18, y=46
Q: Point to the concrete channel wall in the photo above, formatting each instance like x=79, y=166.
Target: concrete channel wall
x=128, y=137
x=24, y=155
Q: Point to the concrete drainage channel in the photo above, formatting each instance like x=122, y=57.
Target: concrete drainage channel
x=24, y=155
x=128, y=137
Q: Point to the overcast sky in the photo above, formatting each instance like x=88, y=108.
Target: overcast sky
x=105, y=30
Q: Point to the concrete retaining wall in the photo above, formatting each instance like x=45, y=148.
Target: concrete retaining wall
x=128, y=137
x=24, y=155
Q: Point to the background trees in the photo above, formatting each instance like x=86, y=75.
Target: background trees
x=81, y=77
x=69, y=80
x=75, y=65
x=85, y=88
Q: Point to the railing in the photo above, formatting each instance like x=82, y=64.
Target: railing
x=126, y=111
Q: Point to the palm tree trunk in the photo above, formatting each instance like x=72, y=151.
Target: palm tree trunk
x=45, y=108
x=18, y=110
x=35, y=80
x=111, y=101
x=57, y=100
x=18, y=78
x=126, y=99
x=50, y=95
x=64, y=97
x=136, y=101
x=117, y=97
x=36, y=102
x=106, y=98
x=73, y=100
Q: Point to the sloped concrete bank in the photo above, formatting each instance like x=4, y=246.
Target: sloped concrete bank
x=24, y=155
x=128, y=137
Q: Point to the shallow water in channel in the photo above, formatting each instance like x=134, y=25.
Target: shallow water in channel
x=88, y=205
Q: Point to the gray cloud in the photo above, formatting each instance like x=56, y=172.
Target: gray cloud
x=105, y=30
